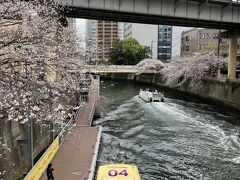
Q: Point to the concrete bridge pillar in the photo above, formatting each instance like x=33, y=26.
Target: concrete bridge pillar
x=232, y=36
x=232, y=58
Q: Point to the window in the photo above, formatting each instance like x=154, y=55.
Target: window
x=187, y=38
x=200, y=46
x=187, y=48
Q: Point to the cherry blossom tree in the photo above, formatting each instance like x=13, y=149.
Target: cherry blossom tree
x=152, y=64
x=91, y=49
x=191, y=70
x=92, y=52
x=40, y=64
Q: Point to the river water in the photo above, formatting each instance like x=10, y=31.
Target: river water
x=181, y=138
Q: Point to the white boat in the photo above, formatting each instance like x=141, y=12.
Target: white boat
x=151, y=95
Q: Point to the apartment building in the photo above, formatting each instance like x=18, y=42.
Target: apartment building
x=107, y=32
x=72, y=23
x=200, y=40
x=164, y=43
x=120, y=30
x=101, y=35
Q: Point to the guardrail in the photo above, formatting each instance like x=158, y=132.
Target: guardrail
x=111, y=66
x=64, y=132
x=39, y=168
x=119, y=69
x=90, y=117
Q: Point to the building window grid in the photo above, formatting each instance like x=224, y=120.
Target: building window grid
x=164, y=41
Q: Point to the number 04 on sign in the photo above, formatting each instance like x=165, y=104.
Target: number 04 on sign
x=118, y=172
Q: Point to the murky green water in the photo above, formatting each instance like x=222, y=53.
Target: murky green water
x=177, y=139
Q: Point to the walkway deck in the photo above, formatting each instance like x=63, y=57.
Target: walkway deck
x=75, y=159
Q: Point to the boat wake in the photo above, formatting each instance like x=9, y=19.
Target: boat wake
x=226, y=140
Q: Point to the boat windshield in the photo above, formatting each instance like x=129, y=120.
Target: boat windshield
x=150, y=90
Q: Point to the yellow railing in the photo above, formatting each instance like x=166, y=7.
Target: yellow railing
x=38, y=169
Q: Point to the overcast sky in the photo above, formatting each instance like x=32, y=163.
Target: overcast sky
x=176, y=37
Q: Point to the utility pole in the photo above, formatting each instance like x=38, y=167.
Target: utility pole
x=218, y=54
x=30, y=143
x=219, y=41
x=51, y=123
x=30, y=138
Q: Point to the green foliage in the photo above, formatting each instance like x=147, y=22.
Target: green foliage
x=128, y=52
x=210, y=47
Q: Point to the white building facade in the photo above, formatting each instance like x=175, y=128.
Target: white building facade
x=121, y=30
x=90, y=31
x=176, y=39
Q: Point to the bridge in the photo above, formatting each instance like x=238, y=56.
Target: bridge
x=222, y=14
x=104, y=69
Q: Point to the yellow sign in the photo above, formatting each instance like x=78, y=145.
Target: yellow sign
x=38, y=169
x=118, y=172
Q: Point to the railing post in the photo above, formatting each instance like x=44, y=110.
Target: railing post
x=30, y=143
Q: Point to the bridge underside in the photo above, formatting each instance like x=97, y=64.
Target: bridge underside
x=98, y=14
x=222, y=14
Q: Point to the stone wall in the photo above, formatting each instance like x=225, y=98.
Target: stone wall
x=226, y=91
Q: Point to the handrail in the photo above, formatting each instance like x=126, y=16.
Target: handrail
x=70, y=124
x=91, y=114
x=57, y=143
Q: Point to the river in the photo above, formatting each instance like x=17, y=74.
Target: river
x=182, y=138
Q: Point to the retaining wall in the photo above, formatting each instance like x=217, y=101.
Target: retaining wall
x=225, y=93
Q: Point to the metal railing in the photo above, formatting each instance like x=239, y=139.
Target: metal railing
x=113, y=66
x=91, y=114
x=64, y=132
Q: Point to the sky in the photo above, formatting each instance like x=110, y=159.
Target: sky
x=176, y=37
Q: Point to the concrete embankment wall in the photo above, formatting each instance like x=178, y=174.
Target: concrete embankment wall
x=223, y=93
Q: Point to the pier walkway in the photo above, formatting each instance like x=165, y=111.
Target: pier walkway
x=76, y=158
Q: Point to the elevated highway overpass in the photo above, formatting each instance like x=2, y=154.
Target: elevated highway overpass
x=222, y=14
